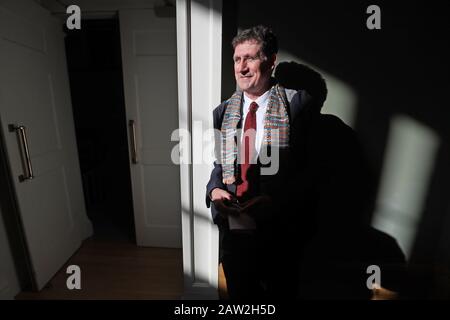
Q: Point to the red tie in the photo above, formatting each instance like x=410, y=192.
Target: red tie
x=249, y=151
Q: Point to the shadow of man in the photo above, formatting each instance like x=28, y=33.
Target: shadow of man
x=329, y=240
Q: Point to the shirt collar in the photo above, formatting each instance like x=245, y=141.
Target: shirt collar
x=261, y=100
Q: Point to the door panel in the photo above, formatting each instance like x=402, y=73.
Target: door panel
x=150, y=83
x=155, y=134
x=25, y=66
x=34, y=92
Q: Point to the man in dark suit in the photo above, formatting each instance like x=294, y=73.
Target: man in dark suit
x=252, y=186
x=296, y=184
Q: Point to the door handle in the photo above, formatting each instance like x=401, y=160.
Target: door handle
x=132, y=126
x=24, y=151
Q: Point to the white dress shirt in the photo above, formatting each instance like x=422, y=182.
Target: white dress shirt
x=262, y=102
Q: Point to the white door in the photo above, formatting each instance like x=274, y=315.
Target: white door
x=38, y=132
x=150, y=83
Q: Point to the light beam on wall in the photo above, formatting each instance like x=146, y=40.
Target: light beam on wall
x=407, y=169
x=341, y=100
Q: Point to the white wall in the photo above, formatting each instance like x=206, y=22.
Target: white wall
x=9, y=283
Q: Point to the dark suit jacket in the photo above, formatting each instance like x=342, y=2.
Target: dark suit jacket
x=298, y=102
x=276, y=186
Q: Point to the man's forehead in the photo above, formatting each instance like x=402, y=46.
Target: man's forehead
x=247, y=46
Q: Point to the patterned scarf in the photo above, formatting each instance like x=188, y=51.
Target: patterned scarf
x=276, y=128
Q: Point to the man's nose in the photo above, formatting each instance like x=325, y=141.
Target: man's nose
x=242, y=67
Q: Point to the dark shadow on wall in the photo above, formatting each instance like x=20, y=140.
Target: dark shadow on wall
x=336, y=203
x=401, y=69
x=297, y=76
x=331, y=147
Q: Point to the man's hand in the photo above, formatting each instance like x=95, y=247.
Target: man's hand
x=220, y=198
x=220, y=194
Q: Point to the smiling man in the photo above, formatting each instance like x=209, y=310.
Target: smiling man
x=250, y=207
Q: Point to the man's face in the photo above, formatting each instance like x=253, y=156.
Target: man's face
x=251, y=69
